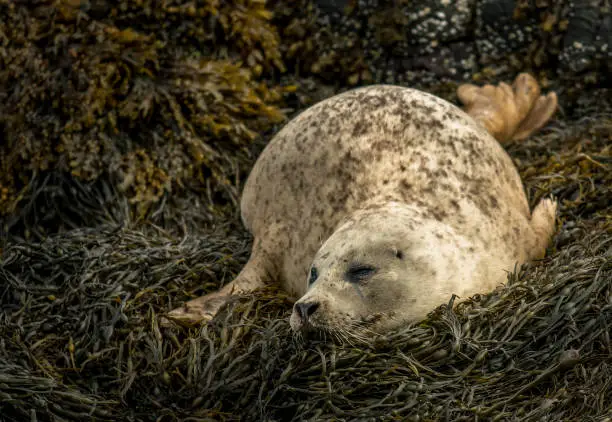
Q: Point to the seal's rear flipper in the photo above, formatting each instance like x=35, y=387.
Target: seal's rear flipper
x=509, y=113
x=543, y=224
x=539, y=115
x=202, y=309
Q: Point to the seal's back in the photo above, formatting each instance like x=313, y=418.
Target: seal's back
x=373, y=144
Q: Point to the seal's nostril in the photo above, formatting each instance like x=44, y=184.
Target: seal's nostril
x=312, y=308
x=306, y=309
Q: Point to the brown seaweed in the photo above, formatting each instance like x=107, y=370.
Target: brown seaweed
x=122, y=97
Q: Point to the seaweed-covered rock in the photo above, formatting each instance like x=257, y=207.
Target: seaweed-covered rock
x=151, y=96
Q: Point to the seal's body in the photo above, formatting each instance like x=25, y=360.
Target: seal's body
x=379, y=145
x=378, y=204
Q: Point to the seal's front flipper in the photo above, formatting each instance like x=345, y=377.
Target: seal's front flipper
x=509, y=113
x=197, y=311
x=254, y=275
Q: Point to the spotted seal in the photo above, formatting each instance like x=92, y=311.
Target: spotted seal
x=376, y=205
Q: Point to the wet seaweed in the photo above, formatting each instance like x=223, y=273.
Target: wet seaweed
x=83, y=338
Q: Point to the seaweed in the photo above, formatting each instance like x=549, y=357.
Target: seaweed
x=80, y=332
x=87, y=341
x=141, y=106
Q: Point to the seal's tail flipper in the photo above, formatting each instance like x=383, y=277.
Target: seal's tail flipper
x=509, y=113
x=543, y=224
x=539, y=115
x=202, y=309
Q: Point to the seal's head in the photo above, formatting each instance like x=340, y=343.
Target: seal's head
x=370, y=275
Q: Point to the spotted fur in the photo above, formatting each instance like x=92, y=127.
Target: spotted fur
x=395, y=167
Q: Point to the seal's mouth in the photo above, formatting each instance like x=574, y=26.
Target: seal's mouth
x=308, y=328
x=314, y=334
x=346, y=332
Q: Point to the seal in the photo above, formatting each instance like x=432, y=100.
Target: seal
x=375, y=206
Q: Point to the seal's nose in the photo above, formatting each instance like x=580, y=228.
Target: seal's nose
x=305, y=309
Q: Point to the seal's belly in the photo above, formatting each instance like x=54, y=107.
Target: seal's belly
x=379, y=144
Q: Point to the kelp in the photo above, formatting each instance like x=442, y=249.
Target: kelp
x=128, y=94
x=539, y=347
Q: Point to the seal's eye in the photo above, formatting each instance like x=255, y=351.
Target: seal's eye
x=358, y=273
x=314, y=274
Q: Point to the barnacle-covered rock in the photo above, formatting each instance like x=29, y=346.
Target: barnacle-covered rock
x=588, y=37
x=426, y=43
